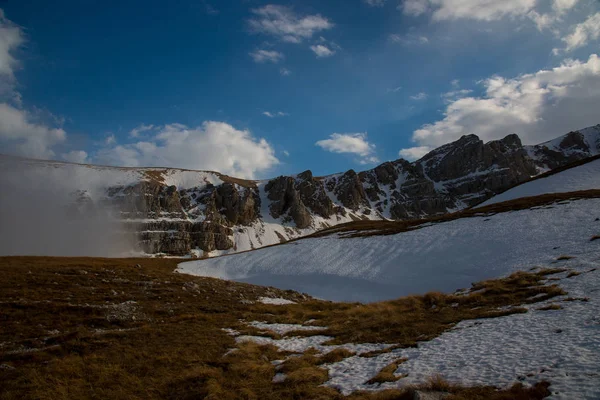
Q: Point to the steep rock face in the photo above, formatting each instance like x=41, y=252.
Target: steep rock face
x=298, y=199
x=569, y=148
x=471, y=171
x=349, y=190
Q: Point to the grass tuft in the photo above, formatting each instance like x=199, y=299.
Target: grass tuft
x=387, y=373
x=550, y=307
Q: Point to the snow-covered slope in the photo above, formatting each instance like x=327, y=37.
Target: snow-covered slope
x=583, y=177
x=445, y=256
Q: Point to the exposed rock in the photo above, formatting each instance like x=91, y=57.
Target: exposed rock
x=349, y=191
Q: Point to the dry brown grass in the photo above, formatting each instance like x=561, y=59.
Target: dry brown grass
x=411, y=319
x=564, y=258
x=387, y=373
x=550, y=307
x=573, y=273
x=594, y=238
x=74, y=328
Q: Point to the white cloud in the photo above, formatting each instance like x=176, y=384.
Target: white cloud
x=561, y=6
x=262, y=56
x=375, y=3
x=368, y=160
x=215, y=146
x=21, y=134
x=322, y=51
x=394, y=90
x=135, y=132
x=275, y=114
x=11, y=37
x=76, y=156
x=110, y=139
x=414, y=7
x=584, y=32
x=285, y=72
x=542, y=21
x=455, y=94
x=536, y=106
x=283, y=23
x=353, y=143
x=419, y=96
x=485, y=10
x=409, y=39
x=414, y=153
x=286, y=153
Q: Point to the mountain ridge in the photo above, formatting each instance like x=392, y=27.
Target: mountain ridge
x=204, y=213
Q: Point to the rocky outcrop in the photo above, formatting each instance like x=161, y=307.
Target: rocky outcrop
x=569, y=148
x=472, y=171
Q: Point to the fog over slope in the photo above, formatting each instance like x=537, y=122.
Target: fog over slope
x=36, y=220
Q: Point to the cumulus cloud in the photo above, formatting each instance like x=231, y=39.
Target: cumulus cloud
x=537, y=106
x=283, y=23
x=414, y=153
x=353, y=143
x=583, y=33
x=214, y=146
x=135, y=132
x=263, y=56
x=485, y=10
x=414, y=7
x=21, y=134
x=455, y=94
x=561, y=6
x=322, y=51
x=11, y=37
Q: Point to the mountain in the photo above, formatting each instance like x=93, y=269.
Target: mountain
x=548, y=226
x=180, y=212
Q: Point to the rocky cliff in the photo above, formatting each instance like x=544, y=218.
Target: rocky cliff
x=180, y=212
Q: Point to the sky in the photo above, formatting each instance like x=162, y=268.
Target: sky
x=257, y=89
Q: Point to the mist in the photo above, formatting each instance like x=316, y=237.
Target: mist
x=40, y=216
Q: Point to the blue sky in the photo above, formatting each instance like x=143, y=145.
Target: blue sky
x=258, y=88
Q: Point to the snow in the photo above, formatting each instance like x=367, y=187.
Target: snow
x=583, y=177
x=282, y=329
x=301, y=344
x=275, y=301
x=591, y=137
x=443, y=257
x=560, y=346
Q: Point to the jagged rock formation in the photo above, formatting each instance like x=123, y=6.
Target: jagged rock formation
x=181, y=212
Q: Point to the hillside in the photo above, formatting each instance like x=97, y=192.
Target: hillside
x=581, y=177
x=199, y=213
x=555, y=341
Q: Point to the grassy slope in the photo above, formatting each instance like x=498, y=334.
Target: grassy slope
x=68, y=330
